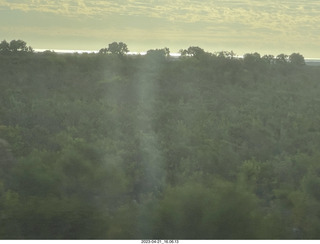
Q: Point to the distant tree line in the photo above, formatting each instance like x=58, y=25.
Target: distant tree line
x=120, y=48
x=294, y=58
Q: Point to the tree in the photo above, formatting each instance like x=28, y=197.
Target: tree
x=4, y=47
x=282, y=58
x=118, y=48
x=167, y=51
x=251, y=58
x=164, y=52
x=297, y=59
x=268, y=58
x=14, y=46
x=183, y=52
x=226, y=54
x=103, y=50
x=192, y=51
x=18, y=45
x=196, y=51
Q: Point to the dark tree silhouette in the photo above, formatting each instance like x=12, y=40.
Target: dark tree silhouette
x=192, y=51
x=297, y=59
x=14, y=46
x=4, y=47
x=282, y=58
x=117, y=48
x=164, y=52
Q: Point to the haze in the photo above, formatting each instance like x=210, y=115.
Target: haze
x=244, y=26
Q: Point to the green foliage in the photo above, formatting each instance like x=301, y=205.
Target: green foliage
x=206, y=146
x=193, y=211
x=51, y=218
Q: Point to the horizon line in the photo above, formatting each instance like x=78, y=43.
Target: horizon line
x=81, y=51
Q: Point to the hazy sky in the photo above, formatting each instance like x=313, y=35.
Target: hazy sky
x=244, y=26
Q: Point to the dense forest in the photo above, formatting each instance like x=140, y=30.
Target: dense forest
x=202, y=146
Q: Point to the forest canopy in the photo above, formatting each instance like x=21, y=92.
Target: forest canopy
x=202, y=146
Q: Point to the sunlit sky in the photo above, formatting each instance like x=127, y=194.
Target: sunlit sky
x=243, y=26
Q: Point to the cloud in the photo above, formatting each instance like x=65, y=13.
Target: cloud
x=187, y=11
x=271, y=14
x=239, y=21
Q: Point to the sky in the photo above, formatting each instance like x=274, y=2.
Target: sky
x=242, y=26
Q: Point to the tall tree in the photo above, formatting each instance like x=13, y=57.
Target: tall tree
x=297, y=59
x=118, y=48
x=4, y=47
x=18, y=45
